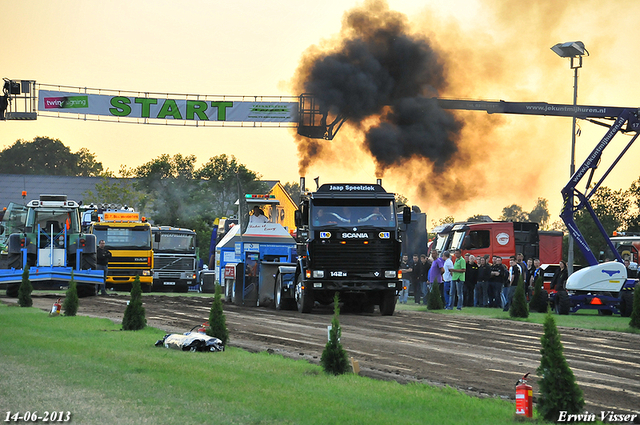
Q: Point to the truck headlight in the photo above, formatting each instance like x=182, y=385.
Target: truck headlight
x=146, y=272
x=318, y=274
x=390, y=274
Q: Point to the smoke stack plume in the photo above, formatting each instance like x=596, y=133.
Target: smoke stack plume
x=382, y=79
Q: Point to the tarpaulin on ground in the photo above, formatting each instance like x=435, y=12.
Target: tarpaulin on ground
x=191, y=341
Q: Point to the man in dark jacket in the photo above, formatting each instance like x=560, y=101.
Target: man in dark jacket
x=103, y=255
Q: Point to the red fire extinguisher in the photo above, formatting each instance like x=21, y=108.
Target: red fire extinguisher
x=55, y=309
x=524, y=397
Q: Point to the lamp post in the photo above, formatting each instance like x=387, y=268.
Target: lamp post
x=573, y=50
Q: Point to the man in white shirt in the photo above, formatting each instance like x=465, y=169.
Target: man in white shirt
x=258, y=216
x=446, y=277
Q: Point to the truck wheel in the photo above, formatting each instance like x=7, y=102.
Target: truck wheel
x=563, y=303
x=12, y=290
x=89, y=262
x=88, y=290
x=304, y=297
x=544, y=301
x=388, y=303
x=626, y=303
x=14, y=261
x=281, y=302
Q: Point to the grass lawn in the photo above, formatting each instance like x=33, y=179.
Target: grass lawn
x=101, y=374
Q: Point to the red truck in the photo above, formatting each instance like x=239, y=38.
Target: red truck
x=503, y=238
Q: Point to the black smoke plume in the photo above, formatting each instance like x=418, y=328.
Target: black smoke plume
x=379, y=69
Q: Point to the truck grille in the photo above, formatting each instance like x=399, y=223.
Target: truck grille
x=166, y=264
x=354, y=256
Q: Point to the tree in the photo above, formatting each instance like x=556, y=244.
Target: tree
x=539, y=299
x=540, y=213
x=434, y=302
x=479, y=218
x=334, y=358
x=134, y=315
x=115, y=191
x=513, y=213
x=47, y=156
x=611, y=207
x=293, y=189
x=519, y=306
x=558, y=388
x=25, y=289
x=217, y=321
x=70, y=304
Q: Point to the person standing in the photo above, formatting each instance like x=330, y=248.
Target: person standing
x=415, y=279
x=405, y=269
x=424, y=277
x=499, y=275
x=103, y=255
x=510, y=285
x=447, y=277
x=435, y=271
x=470, y=282
x=482, y=287
x=457, y=281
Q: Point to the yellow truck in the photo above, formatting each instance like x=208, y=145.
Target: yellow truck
x=128, y=237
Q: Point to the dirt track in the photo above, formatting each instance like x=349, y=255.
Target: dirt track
x=483, y=357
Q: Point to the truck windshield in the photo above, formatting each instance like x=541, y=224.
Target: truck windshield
x=369, y=212
x=441, y=242
x=53, y=218
x=174, y=242
x=456, y=240
x=124, y=238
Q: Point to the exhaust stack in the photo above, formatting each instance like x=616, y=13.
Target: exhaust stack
x=302, y=181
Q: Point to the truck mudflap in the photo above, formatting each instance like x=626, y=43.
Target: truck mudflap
x=54, y=274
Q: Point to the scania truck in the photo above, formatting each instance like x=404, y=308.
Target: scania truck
x=348, y=242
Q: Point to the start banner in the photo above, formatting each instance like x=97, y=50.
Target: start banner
x=166, y=109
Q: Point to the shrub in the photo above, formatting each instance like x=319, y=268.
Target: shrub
x=70, y=304
x=434, y=302
x=334, y=358
x=558, y=388
x=25, y=289
x=635, y=313
x=217, y=321
x=519, y=306
x=134, y=318
x=539, y=302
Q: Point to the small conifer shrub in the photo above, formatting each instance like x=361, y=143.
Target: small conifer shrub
x=25, y=289
x=217, y=321
x=334, y=358
x=134, y=315
x=70, y=304
x=519, y=306
x=539, y=299
x=558, y=388
x=434, y=302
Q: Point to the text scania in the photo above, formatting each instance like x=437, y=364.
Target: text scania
x=122, y=107
x=355, y=235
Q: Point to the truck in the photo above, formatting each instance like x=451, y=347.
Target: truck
x=128, y=237
x=502, y=238
x=253, y=255
x=53, y=247
x=175, y=258
x=348, y=242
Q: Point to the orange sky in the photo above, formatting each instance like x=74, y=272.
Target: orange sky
x=492, y=49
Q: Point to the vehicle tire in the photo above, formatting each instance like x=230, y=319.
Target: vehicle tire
x=388, y=302
x=280, y=301
x=304, y=297
x=86, y=290
x=544, y=301
x=89, y=262
x=12, y=290
x=563, y=303
x=626, y=303
x=14, y=261
x=368, y=307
